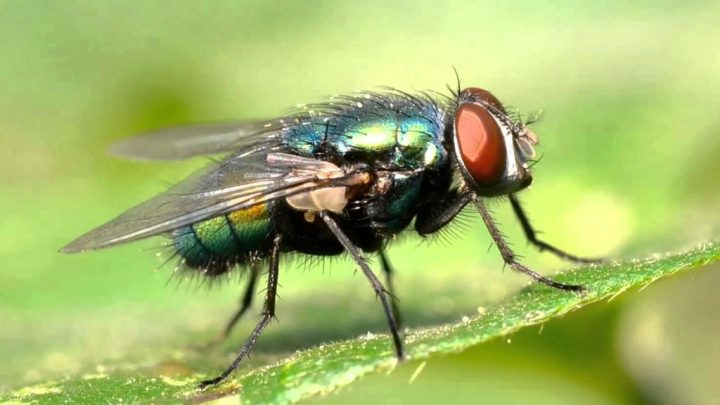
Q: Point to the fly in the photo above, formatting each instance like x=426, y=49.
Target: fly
x=342, y=176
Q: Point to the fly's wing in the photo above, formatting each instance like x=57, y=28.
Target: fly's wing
x=239, y=182
x=194, y=140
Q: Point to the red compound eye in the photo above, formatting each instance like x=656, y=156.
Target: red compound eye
x=483, y=95
x=480, y=144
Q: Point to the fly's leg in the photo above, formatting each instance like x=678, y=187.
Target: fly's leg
x=245, y=304
x=435, y=216
x=541, y=245
x=377, y=286
x=388, y=270
x=509, y=257
x=438, y=214
x=267, y=315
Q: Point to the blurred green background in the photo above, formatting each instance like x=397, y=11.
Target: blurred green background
x=630, y=138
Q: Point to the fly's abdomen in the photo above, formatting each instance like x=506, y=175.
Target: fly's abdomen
x=217, y=244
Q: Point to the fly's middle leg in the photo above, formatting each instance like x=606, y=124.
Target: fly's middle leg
x=377, y=286
x=389, y=274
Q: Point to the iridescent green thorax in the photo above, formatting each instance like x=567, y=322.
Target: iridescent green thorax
x=225, y=239
x=393, y=132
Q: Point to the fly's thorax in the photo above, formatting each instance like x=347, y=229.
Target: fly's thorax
x=395, y=131
x=411, y=142
x=492, y=151
x=397, y=196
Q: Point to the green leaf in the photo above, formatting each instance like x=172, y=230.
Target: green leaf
x=326, y=368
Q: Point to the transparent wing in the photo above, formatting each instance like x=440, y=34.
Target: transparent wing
x=239, y=182
x=194, y=140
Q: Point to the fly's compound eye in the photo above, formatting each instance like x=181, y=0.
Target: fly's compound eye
x=482, y=95
x=480, y=144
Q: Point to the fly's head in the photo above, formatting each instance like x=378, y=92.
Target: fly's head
x=492, y=150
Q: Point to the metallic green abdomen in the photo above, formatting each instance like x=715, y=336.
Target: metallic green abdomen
x=219, y=243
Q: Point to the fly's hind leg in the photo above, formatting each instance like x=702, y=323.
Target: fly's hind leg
x=267, y=315
x=245, y=305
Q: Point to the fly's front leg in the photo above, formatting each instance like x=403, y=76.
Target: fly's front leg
x=439, y=213
x=541, y=245
x=267, y=315
x=435, y=216
x=509, y=256
x=377, y=286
